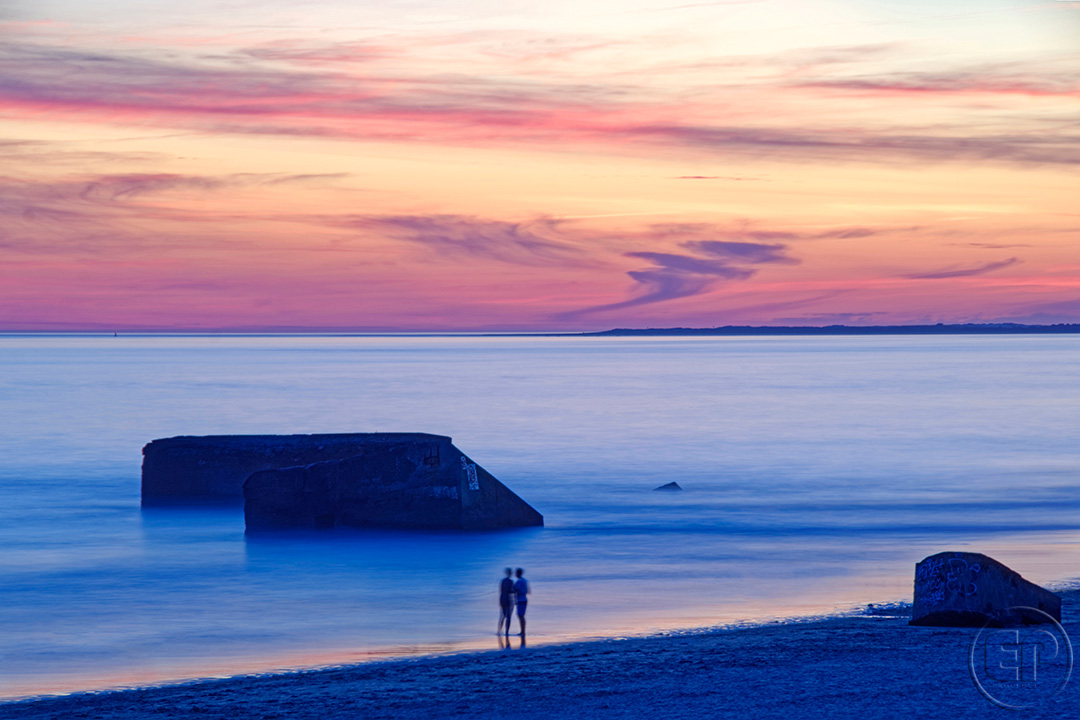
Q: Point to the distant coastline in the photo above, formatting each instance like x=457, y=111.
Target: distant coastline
x=939, y=329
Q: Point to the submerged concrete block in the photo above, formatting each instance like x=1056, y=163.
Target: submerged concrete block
x=962, y=589
x=402, y=484
x=403, y=480
x=214, y=467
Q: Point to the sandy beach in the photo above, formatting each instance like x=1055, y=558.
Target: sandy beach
x=860, y=666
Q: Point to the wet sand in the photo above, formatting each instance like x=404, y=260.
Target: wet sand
x=865, y=666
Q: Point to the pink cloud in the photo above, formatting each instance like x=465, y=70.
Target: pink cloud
x=971, y=82
x=955, y=272
x=309, y=95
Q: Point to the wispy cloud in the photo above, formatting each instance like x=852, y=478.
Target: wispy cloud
x=992, y=246
x=686, y=265
x=714, y=177
x=679, y=275
x=39, y=153
x=741, y=252
x=81, y=216
x=954, y=272
x=308, y=53
x=871, y=144
x=316, y=93
x=538, y=242
x=119, y=188
x=979, y=81
x=738, y=235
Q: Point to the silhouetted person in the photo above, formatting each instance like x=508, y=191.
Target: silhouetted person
x=521, y=591
x=506, y=602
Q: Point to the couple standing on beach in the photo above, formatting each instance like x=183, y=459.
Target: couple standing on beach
x=511, y=592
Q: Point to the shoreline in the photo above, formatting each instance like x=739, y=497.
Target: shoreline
x=844, y=665
x=337, y=659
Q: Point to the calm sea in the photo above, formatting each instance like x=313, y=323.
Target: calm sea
x=816, y=472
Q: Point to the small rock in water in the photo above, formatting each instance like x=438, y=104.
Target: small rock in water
x=670, y=486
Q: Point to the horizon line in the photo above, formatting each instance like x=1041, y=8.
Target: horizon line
x=922, y=328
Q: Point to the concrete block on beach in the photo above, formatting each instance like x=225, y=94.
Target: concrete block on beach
x=402, y=480
x=962, y=589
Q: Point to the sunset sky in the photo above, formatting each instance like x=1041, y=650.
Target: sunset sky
x=411, y=165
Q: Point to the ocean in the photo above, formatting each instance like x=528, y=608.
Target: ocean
x=816, y=472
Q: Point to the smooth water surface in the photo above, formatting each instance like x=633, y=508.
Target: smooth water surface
x=816, y=472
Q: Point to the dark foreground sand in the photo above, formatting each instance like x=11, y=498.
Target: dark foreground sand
x=851, y=667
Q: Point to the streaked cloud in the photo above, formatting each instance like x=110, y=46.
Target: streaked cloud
x=717, y=177
x=310, y=53
x=538, y=242
x=680, y=275
x=316, y=93
x=992, y=246
x=981, y=81
x=742, y=252
x=955, y=272
x=869, y=145
x=117, y=188
x=100, y=215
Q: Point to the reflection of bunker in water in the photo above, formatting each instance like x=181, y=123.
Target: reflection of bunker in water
x=399, y=480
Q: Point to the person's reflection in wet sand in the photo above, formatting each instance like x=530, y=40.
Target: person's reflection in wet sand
x=505, y=643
